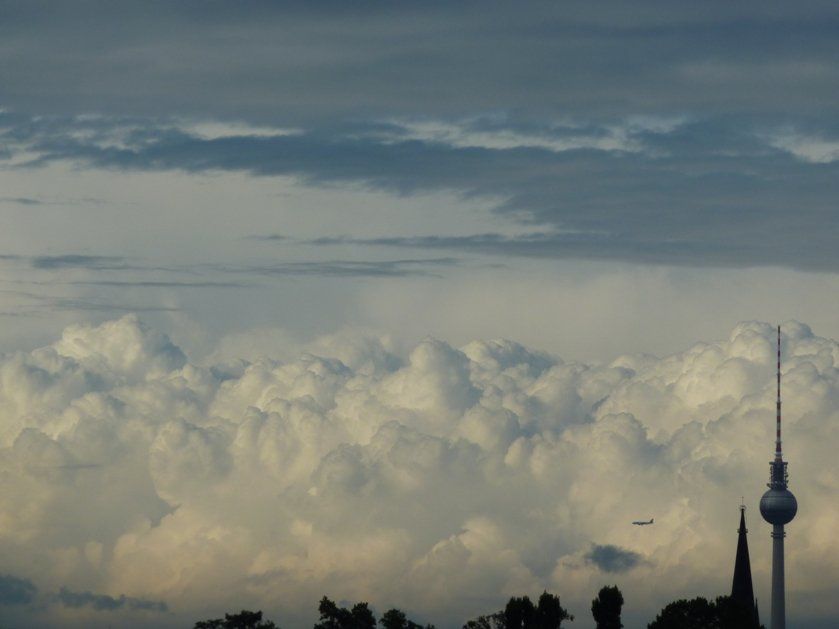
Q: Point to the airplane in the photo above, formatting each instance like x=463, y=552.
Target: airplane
x=642, y=523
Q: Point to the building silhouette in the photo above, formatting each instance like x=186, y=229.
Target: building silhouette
x=778, y=507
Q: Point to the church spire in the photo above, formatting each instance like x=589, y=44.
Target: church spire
x=741, y=587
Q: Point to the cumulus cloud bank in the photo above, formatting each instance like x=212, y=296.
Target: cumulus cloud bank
x=441, y=481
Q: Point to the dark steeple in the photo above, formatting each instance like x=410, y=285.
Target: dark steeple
x=741, y=587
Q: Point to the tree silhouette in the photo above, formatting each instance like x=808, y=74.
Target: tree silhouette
x=396, y=619
x=334, y=617
x=549, y=613
x=606, y=608
x=243, y=620
x=362, y=617
x=490, y=621
x=520, y=613
x=734, y=615
x=699, y=613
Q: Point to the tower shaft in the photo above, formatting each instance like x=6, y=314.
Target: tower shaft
x=778, y=594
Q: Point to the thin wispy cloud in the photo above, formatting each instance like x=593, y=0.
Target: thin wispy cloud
x=52, y=304
x=76, y=261
x=159, y=284
x=104, y=602
x=21, y=201
x=32, y=302
x=347, y=268
x=314, y=268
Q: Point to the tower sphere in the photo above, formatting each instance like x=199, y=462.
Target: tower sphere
x=778, y=506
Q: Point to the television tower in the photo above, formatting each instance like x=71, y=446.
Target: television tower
x=778, y=507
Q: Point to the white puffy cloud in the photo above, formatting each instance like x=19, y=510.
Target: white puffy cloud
x=440, y=481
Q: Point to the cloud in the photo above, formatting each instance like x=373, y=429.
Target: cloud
x=76, y=261
x=711, y=191
x=85, y=305
x=315, y=268
x=16, y=591
x=49, y=304
x=346, y=268
x=91, y=263
x=31, y=201
x=21, y=201
x=562, y=245
x=123, y=347
x=438, y=479
x=103, y=602
x=609, y=558
x=160, y=284
x=296, y=62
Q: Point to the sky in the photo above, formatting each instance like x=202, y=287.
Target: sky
x=456, y=289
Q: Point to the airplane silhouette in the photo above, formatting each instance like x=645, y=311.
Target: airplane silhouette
x=642, y=523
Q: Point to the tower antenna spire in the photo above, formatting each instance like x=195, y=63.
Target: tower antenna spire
x=778, y=455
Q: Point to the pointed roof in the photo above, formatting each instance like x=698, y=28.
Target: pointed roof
x=741, y=587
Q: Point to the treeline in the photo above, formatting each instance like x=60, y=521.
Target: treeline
x=521, y=613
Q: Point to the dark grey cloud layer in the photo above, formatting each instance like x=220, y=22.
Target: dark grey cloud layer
x=704, y=180
x=706, y=191
x=304, y=61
